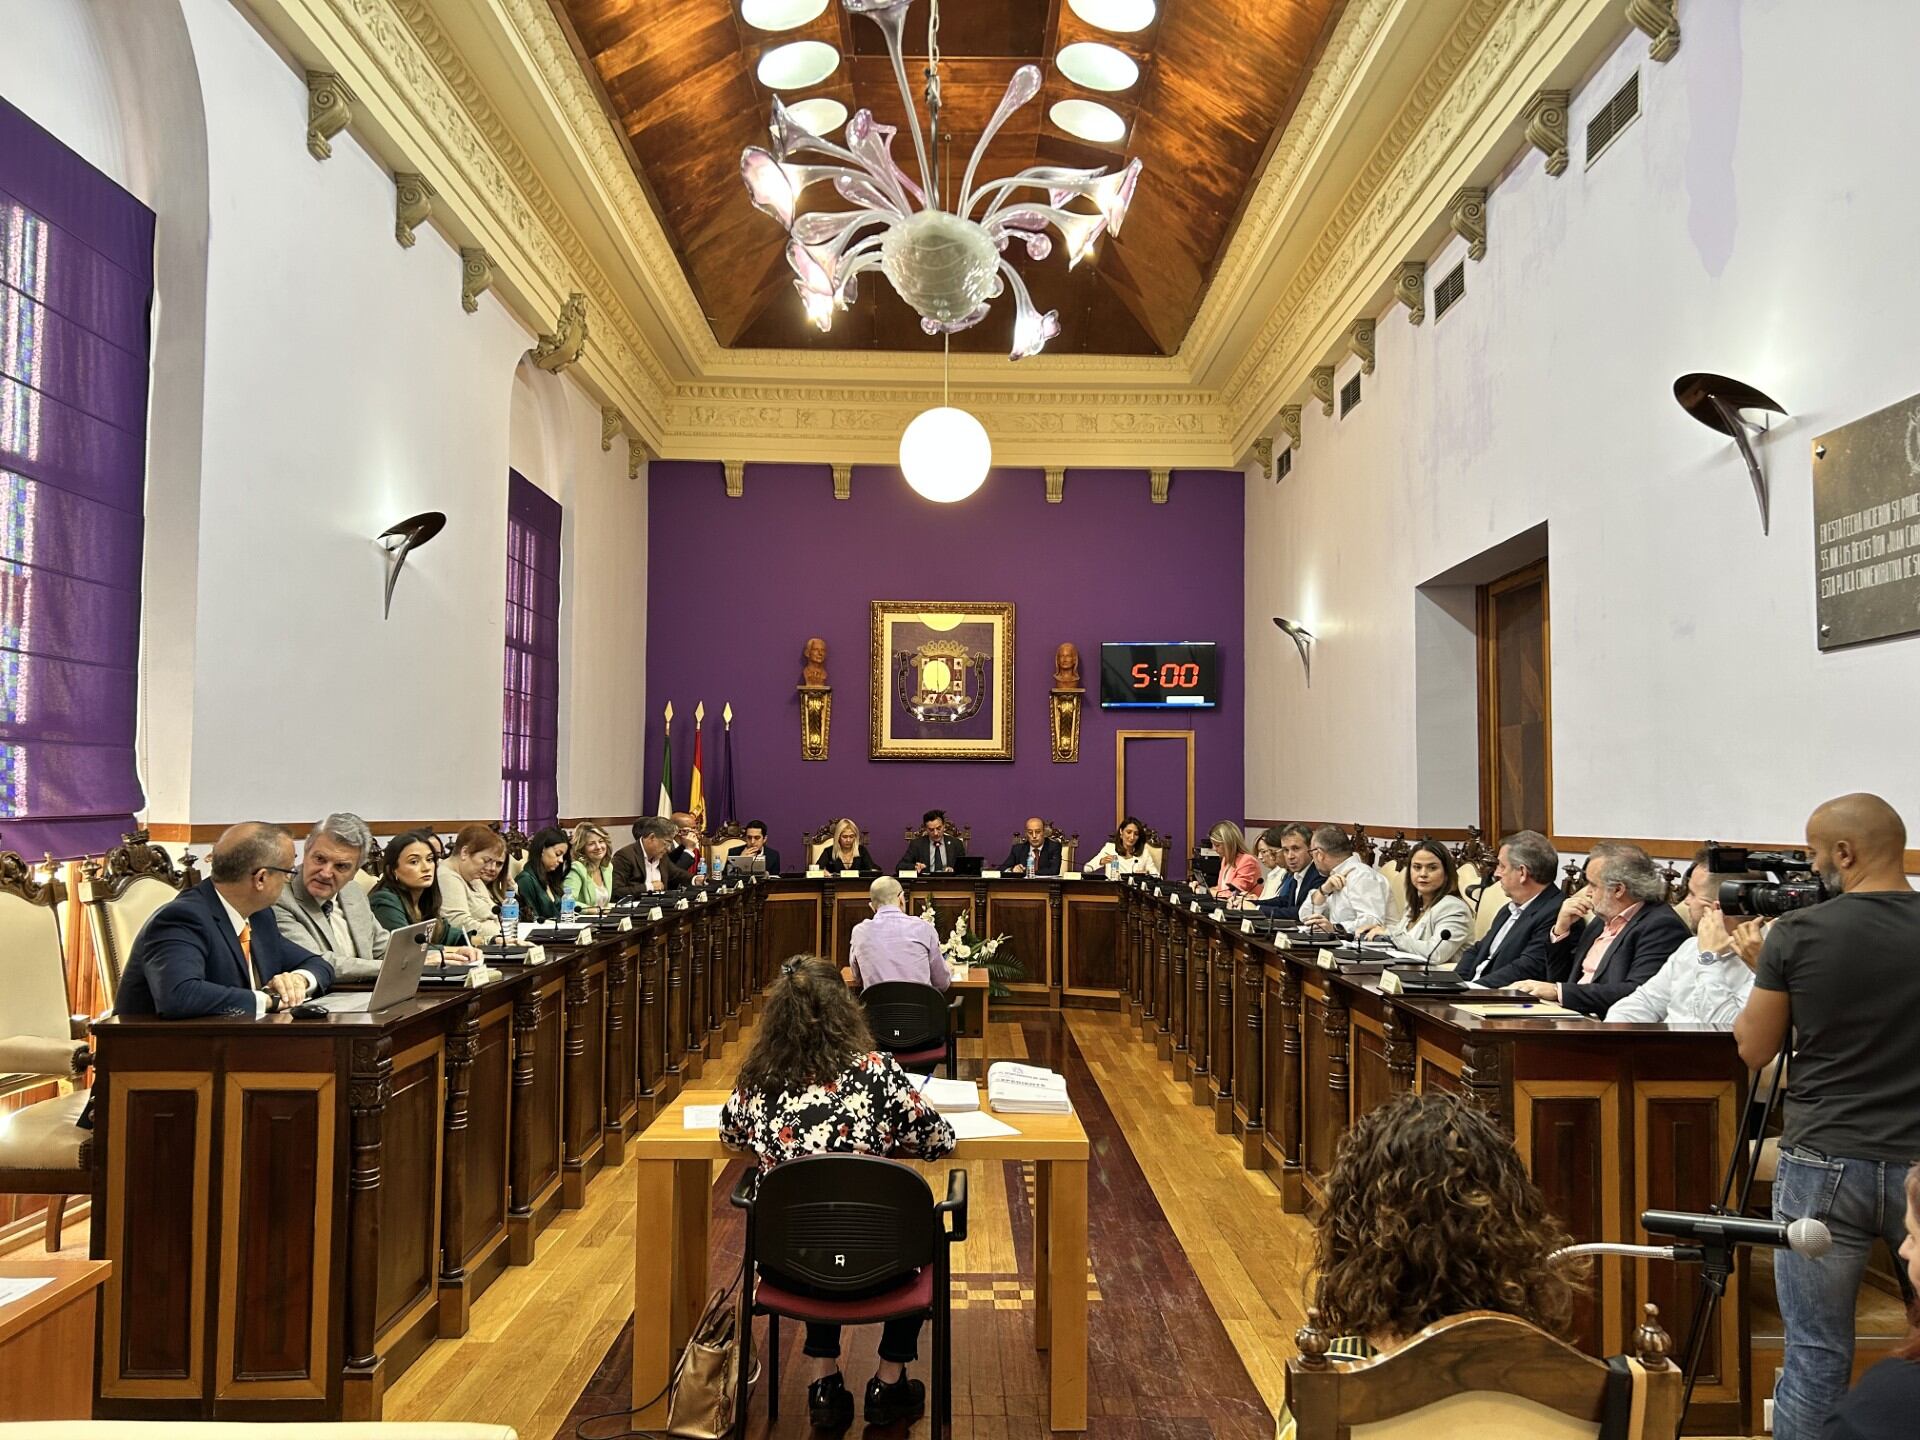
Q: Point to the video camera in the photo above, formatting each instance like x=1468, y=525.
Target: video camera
x=1790, y=882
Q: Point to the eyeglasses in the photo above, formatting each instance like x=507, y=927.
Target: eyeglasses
x=286, y=870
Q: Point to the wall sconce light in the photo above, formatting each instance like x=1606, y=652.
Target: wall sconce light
x=1302, y=641
x=400, y=541
x=1716, y=402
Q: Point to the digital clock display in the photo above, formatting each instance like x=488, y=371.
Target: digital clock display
x=1181, y=674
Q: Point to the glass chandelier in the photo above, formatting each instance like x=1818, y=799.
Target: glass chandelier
x=947, y=264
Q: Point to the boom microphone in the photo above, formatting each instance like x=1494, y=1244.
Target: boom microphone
x=1808, y=1238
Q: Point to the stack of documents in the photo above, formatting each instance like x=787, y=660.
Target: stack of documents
x=949, y=1097
x=1027, y=1090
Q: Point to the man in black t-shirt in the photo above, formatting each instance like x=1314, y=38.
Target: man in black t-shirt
x=1844, y=977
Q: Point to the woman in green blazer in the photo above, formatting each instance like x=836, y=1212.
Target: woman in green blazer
x=407, y=894
x=543, y=880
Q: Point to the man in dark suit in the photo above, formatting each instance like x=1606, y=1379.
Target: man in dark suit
x=1613, y=936
x=757, y=845
x=1035, y=854
x=936, y=847
x=216, y=949
x=1515, y=948
x=644, y=867
x=1299, y=877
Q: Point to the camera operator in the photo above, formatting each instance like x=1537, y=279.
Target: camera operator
x=1844, y=978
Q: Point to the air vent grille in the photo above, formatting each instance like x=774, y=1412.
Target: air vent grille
x=1283, y=466
x=1349, y=396
x=1614, y=116
x=1447, y=293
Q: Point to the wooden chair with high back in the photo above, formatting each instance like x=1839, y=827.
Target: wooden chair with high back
x=965, y=832
x=119, y=893
x=1391, y=862
x=1490, y=1376
x=42, y=1149
x=723, y=842
x=1068, y=844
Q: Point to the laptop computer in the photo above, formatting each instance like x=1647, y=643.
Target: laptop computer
x=399, y=978
x=968, y=865
x=746, y=864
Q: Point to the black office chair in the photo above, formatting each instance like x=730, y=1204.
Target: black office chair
x=913, y=1023
x=850, y=1240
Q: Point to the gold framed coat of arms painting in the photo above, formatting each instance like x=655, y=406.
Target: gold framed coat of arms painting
x=942, y=677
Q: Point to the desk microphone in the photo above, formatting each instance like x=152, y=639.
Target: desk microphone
x=1426, y=967
x=1808, y=1238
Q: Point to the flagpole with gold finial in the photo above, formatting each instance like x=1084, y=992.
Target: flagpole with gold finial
x=729, y=801
x=664, y=806
x=697, y=789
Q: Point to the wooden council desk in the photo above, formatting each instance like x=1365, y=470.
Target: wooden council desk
x=674, y=1194
x=46, y=1340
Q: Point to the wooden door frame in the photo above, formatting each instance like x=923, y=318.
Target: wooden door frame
x=1120, y=738
x=1486, y=641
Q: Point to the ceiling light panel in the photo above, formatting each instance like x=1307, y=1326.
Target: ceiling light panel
x=822, y=115
x=1089, y=120
x=799, y=64
x=1121, y=16
x=1098, y=67
x=780, y=14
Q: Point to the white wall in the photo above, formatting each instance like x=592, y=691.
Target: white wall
x=1750, y=222
x=345, y=388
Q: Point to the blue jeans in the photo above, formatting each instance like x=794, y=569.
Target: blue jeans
x=1860, y=1201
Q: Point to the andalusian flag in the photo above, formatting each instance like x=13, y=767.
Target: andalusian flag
x=697, y=795
x=665, y=806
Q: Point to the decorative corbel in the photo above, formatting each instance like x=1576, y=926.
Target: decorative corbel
x=1659, y=22
x=610, y=423
x=1263, y=452
x=1410, y=289
x=1161, y=481
x=1290, y=422
x=1056, y=484
x=412, y=203
x=329, y=108
x=1467, y=214
x=476, y=276
x=842, y=480
x=1322, y=381
x=1547, y=127
x=568, y=342
x=1360, y=342
x=736, y=474
x=636, y=456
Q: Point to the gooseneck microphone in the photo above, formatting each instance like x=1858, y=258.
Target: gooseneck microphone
x=1809, y=1238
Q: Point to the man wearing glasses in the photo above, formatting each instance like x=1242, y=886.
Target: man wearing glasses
x=215, y=949
x=322, y=910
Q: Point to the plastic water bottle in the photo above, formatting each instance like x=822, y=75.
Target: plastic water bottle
x=700, y=870
x=567, y=907
x=510, y=918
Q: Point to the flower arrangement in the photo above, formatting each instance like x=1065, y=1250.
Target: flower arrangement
x=964, y=948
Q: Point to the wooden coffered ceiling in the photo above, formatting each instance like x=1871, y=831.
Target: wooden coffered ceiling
x=1218, y=79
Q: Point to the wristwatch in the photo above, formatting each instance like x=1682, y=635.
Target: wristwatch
x=273, y=1001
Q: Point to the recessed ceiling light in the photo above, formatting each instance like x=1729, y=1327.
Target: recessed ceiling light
x=1125, y=16
x=801, y=63
x=779, y=14
x=1097, y=66
x=1089, y=120
x=822, y=115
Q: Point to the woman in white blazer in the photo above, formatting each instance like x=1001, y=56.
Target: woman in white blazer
x=1434, y=904
x=1125, y=854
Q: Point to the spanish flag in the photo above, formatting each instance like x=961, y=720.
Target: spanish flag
x=697, y=794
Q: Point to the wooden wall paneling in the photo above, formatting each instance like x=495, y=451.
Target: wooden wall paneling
x=683, y=1060
x=1221, y=1037
x=790, y=925
x=463, y=1040
x=413, y=1130
x=1436, y=1068
x=538, y=1114
x=1025, y=917
x=369, y=1086
x=734, y=988
x=1174, y=1046
x=621, y=1068
x=585, y=1076
x=477, y=1250
x=848, y=909
x=1280, y=1111
x=1568, y=1133
x=1318, y=1128
x=1372, y=1075
x=653, y=1090
x=693, y=936
x=156, y=1224
x=1201, y=940
x=1153, y=1016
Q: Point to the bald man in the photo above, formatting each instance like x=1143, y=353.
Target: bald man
x=1844, y=978
x=216, y=949
x=1033, y=853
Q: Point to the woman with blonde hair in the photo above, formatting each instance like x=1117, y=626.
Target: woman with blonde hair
x=845, y=850
x=1239, y=871
x=590, y=878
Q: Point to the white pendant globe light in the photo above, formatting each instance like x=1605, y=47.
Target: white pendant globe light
x=945, y=454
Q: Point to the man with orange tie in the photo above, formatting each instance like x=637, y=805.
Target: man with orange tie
x=216, y=950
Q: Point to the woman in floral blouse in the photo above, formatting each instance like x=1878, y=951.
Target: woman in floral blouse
x=813, y=1084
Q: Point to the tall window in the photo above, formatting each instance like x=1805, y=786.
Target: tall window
x=1516, y=704
x=76, y=286
x=530, y=726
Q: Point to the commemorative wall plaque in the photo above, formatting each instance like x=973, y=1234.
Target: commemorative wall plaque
x=1866, y=527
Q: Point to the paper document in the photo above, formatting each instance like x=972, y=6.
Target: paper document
x=1027, y=1090
x=701, y=1117
x=950, y=1097
x=1517, y=1010
x=18, y=1288
x=978, y=1125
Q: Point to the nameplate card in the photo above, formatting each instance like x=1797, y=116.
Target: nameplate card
x=1195, y=907
x=909, y=874
x=655, y=913
x=989, y=874
x=626, y=923
x=1246, y=927
x=681, y=904
x=1218, y=915
x=1325, y=960
x=1390, y=983
x=814, y=872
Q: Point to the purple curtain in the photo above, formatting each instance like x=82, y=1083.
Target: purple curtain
x=530, y=728
x=76, y=289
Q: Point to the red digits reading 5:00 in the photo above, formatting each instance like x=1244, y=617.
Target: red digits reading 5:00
x=1142, y=676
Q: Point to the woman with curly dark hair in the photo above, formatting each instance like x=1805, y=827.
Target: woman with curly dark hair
x=1430, y=1214
x=811, y=1084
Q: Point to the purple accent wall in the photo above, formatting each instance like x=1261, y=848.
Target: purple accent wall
x=735, y=588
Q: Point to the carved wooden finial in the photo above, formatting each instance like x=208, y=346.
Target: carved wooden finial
x=1313, y=1342
x=1651, y=1342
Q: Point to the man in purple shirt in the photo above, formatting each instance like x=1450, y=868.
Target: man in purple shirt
x=894, y=945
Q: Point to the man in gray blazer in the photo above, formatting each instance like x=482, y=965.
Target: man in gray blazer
x=324, y=910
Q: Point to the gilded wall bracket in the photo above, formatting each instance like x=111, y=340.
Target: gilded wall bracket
x=843, y=480
x=1290, y=422
x=1547, y=127
x=1467, y=214
x=610, y=426
x=1056, y=484
x=476, y=276
x=1360, y=343
x=735, y=472
x=412, y=203
x=329, y=109
x=1263, y=452
x=1410, y=289
x=1660, y=22
x=636, y=457
x=1162, y=481
x=568, y=340
x=1322, y=381
x=816, y=720
x=1064, y=710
